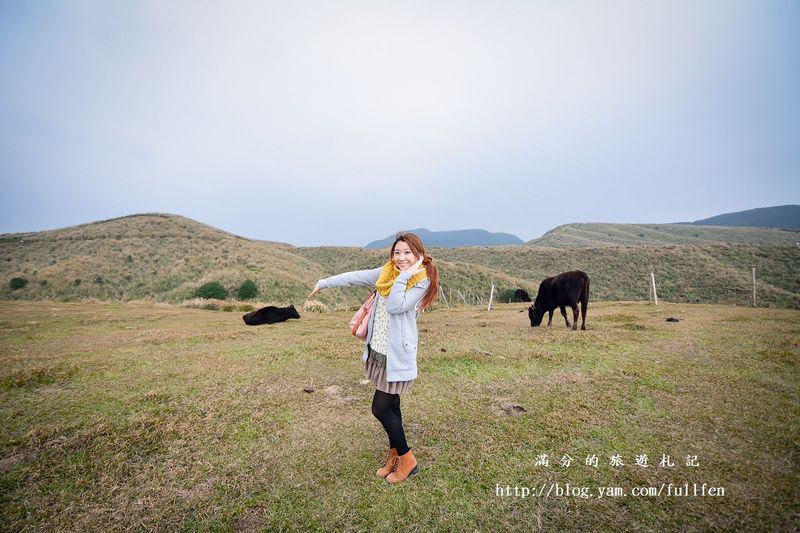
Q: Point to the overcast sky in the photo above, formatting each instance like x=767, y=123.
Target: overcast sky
x=338, y=123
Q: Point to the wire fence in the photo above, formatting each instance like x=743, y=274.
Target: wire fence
x=650, y=288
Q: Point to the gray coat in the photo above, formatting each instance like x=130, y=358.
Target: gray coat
x=401, y=361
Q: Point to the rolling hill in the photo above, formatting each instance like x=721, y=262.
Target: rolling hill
x=166, y=257
x=592, y=235
x=150, y=255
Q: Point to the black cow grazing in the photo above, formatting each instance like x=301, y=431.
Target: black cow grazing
x=270, y=315
x=567, y=288
x=521, y=295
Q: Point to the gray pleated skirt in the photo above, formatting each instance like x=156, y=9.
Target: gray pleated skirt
x=375, y=371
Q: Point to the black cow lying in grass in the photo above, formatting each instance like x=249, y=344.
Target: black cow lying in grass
x=567, y=288
x=270, y=315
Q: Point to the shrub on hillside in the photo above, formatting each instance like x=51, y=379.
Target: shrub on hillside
x=211, y=290
x=247, y=290
x=17, y=283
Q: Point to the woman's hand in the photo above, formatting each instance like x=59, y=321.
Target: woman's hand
x=315, y=291
x=417, y=267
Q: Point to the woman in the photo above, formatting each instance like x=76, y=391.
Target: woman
x=407, y=282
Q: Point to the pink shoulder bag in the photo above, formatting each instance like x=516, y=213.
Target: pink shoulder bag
x=360, y=321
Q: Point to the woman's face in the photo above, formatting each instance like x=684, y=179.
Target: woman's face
x=403, y=257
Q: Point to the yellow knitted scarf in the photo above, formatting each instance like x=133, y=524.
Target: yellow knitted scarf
x=389, y=275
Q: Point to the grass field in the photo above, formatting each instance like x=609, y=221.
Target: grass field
x=156, y=417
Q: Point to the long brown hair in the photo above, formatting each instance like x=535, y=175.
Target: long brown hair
x=417, y=248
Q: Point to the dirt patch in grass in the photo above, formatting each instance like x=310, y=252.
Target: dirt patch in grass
x=251, y=520
x=336, y=394
x=197, y=494
x=7, y=464
x=504, y=407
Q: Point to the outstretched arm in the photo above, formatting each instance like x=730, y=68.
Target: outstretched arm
x=364, y=278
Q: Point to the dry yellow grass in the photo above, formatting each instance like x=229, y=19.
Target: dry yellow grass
x=167, y=257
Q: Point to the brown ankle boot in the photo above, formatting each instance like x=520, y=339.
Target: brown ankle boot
x=387, y=467
x=404, y=466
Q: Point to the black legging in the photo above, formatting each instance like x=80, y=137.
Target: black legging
x=386, y=408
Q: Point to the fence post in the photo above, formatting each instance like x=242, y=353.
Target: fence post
x=491, y=296
x=462, y=297
x=653, y=280
x=441, y=291
x=754, y=286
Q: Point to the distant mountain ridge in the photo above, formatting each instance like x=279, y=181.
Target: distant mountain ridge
x=454, y=238
x=779, y=216
x=763, y=225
